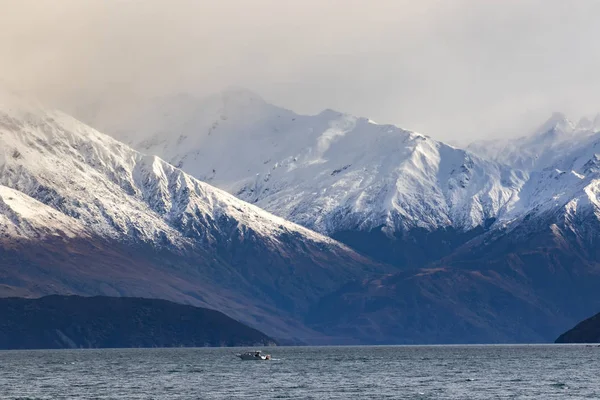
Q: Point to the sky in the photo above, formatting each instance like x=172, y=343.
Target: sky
x=456, y=70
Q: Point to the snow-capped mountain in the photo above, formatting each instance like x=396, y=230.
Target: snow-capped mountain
x=521, y=281
x=115, y=191
x=332, y=172
x=329, y=172
x=498, y=253
x=548, y=144
x=64, y=183
x=393, y=194
x=561, y=161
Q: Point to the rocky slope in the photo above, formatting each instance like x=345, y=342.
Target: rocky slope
x=525, y=284
x=56, y=322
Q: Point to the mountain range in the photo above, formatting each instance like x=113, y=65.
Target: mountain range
x=325, y=229
x=345, y=177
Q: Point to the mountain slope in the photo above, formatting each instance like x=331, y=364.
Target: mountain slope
x=111, y=322
x=526, y=283
x=373, y=186
x=82, y=213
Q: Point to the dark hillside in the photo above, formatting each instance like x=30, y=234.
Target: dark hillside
x=54, y=322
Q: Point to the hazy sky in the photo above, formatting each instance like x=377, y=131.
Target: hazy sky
x=452, y=69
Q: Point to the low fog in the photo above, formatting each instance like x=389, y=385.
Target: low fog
x=455, y=70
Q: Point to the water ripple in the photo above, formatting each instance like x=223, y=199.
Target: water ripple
x=322, y=373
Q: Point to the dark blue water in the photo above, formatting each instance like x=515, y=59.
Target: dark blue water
x=444, y=372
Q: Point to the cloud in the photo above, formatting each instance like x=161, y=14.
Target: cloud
x=455, y=70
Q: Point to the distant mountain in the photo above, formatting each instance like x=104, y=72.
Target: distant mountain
x=524, y=284
x=81, y=213
x=393, y=194
x=550, y=143
x=587, y=331
x=523, y=280
x=57, y=322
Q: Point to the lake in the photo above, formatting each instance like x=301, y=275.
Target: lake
x=399, y=372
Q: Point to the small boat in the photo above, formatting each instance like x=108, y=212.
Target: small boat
x=254, y=355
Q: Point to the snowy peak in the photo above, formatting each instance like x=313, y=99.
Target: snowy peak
x=556, y=125
x=339, y=174
x=546, y=146
x=562, y=163
x=330, y=171
x=114, y=191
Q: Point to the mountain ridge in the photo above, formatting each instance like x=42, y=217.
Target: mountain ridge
x=331, y=172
